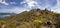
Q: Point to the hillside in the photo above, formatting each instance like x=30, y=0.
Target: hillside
x=35, y=18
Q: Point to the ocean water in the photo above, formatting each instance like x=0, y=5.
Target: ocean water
x=3, y=16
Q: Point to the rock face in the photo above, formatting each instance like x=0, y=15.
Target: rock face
x=3, y=26
x=36, y=14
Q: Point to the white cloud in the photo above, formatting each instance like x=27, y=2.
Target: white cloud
x=13, y=3
x=3, y=2
x=56, y=8
x=14, y=10
x=0, y=0
x=36, y=3
x=29, y=3
x=18, y=9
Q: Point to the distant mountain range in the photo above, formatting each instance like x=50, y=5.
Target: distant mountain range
x=2, y=15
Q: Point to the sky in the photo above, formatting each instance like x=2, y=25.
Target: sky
x=18, y=6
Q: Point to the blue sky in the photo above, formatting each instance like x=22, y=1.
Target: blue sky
x=17, y=6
